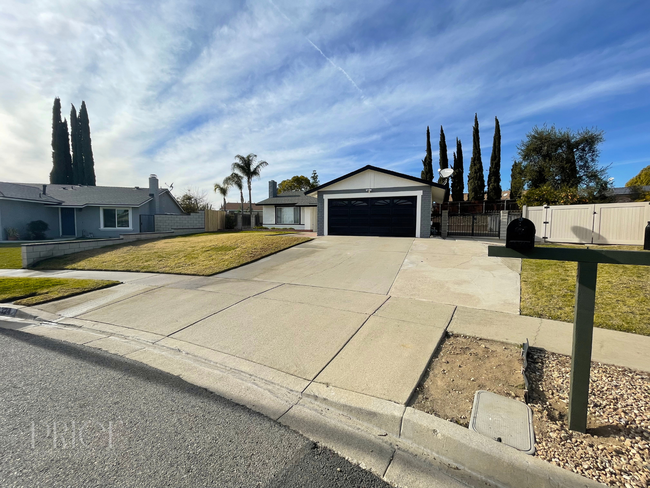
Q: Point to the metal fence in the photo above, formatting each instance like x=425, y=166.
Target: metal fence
x=480, y=225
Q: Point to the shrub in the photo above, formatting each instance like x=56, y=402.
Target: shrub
x=12, y=233
x=547, y=195
x=231, y=221
x=36, y=230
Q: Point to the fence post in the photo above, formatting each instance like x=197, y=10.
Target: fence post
x=503, y=225
x=444, y=224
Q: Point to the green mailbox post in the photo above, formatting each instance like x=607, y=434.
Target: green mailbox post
x=583, y=321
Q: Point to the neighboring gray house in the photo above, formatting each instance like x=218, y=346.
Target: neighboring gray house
x=84, y=211
x=290, y=209
x=374, y=201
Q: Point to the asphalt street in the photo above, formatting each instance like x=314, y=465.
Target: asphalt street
x=75, y=416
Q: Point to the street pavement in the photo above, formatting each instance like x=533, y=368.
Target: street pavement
x=74, y=416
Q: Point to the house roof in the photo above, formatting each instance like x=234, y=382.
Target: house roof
x=237, y=206
x=76, y=195
x=297, y=198
x=32, y=193
x=380, y=170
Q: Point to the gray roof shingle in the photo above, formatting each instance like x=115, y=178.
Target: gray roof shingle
x=297, y=198
x=77, y=196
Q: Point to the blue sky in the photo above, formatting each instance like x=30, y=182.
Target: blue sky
x=178, y=88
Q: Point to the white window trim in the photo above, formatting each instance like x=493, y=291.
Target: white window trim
x=101, y=219
x=372, y=194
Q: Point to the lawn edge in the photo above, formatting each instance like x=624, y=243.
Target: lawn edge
x=110, y=284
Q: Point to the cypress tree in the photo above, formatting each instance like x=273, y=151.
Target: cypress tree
x=494, y=176
x=57, y=175
x=65, y=149
x=427, y=162
x=458, y=178
x=476, y=180
x=516, y=180
x=86, y=146
x=78, y=174
x=443, y=161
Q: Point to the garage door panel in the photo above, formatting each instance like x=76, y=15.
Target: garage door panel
x=373, y=216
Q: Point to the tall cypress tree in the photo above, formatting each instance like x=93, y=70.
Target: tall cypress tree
x=443, y=161
x=64, y=145
x=57, y=175
x=494, y=176
x=427, y=162
x=476, y=180
x=458, y=178
x=78, y=173
x=516, y=180
x=86, y=146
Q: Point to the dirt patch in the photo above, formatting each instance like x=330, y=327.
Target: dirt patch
x=462, y=366
x=616, y=448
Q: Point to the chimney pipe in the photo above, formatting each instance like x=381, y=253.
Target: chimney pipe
x=154, y=193
x=44, y=188
x=273, y=189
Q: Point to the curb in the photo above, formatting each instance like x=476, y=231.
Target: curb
x=404, y=446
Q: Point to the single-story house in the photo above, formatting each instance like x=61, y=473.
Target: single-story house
x=83, y=211
x=373, y=201
x=290, y=209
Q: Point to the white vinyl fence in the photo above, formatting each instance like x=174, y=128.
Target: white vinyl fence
x=607, y=223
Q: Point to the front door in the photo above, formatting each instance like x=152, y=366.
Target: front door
x=68, y=227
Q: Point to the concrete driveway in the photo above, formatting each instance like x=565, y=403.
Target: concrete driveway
x=457, y=272
x=361, y=314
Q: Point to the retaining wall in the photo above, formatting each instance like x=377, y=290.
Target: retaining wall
x=32, y=253
x=180, y=221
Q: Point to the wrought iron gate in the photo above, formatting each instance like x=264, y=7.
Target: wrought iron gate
x=481, y=225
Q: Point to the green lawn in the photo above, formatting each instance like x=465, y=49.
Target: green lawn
x=201, y=254
x=622, y=293
x=10, y=256
x=32, y=291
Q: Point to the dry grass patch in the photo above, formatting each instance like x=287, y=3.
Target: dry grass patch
x=622, y=293
x=202, y=254
x=10, y=257
x=32, y=291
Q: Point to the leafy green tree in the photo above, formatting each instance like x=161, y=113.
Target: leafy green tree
x=86, y=147
x=194, y=200
x=642, y=179
x=476, y=179
x=443, y=161
x=516, y=180
x=547, y=195
x=249, y=169
x=563, y=159
x=222, y=189
x=494, y=175
x=60, y=173
x=237, y=181
x=427, y=162
x=314, y=180
x=78, y=173
x=458, y=178
x=295, y=183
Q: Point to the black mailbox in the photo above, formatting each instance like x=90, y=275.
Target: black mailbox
x=520, y=234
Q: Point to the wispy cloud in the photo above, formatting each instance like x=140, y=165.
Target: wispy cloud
x=179, y=87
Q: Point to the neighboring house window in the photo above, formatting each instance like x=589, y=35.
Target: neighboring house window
x=116, y=218
x=287, y=215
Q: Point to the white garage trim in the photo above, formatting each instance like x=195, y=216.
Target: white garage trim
x=372, y=194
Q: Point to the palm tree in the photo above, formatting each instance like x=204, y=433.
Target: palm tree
x=248, y=169
x=237, y=181
x=222, y=189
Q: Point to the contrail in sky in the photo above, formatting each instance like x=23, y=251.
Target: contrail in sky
x=363, y=97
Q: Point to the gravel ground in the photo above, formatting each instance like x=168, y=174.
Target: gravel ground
x=616, y=448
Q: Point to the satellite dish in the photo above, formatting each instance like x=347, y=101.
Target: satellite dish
x=446, y=173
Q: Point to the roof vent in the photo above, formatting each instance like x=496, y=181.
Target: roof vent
x=137, y=187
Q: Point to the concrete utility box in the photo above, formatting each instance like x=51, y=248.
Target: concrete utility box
x=504, y=420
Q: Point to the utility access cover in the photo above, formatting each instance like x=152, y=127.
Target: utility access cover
x=504, y=420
